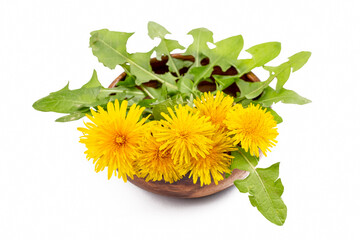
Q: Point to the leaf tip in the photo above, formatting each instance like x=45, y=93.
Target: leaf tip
x=156, y=30
x=202, y=31
x=36, y=105
x=59, y=120
x=306, y=101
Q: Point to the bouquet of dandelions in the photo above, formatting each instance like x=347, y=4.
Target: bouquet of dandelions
x=170, y=129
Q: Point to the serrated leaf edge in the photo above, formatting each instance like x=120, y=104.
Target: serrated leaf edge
x=156, y=77
x=254, y=170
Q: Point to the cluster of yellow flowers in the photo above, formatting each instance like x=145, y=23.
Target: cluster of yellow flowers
x=196, y=140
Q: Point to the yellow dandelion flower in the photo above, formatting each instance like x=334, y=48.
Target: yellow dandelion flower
x=185, y=134
x=253, y=127
x=214, y=165
x=216, y=107
x=112, y=138
x=155, y=164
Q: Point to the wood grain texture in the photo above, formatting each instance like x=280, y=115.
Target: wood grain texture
x=185, y=188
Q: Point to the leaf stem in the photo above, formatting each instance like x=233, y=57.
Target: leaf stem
x=114, y=90
x=170, y=58
x=146, y=91
x=155, y=76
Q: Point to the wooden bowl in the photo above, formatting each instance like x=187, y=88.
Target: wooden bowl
x=185, y=188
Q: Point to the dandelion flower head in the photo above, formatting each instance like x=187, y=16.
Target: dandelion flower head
x=186, y=134
x=112, y=138
x=216, y=107
x=253, y=127
x=214, y=165
x=155, y=164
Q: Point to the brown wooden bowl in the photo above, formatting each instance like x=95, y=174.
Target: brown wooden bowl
x=185, y=188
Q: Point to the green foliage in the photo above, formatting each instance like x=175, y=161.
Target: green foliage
x=69, y=101
x=276, y=116
x=94, y=81
x=282, y=72
x=162, y=107
x=263, y=185
x=166, y=46
x=185, y=85
x=224, y=82
x=72, y=116
x=252, y=90
x=77, y=103
x=147, y=103
x=156, y=30
x=225, y=55
x=179, y=64
x=202, y=37
x=261, y=54
x=270, y=96
x=226, y=52
x=110, y=49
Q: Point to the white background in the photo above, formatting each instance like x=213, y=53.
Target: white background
x=48, y=190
